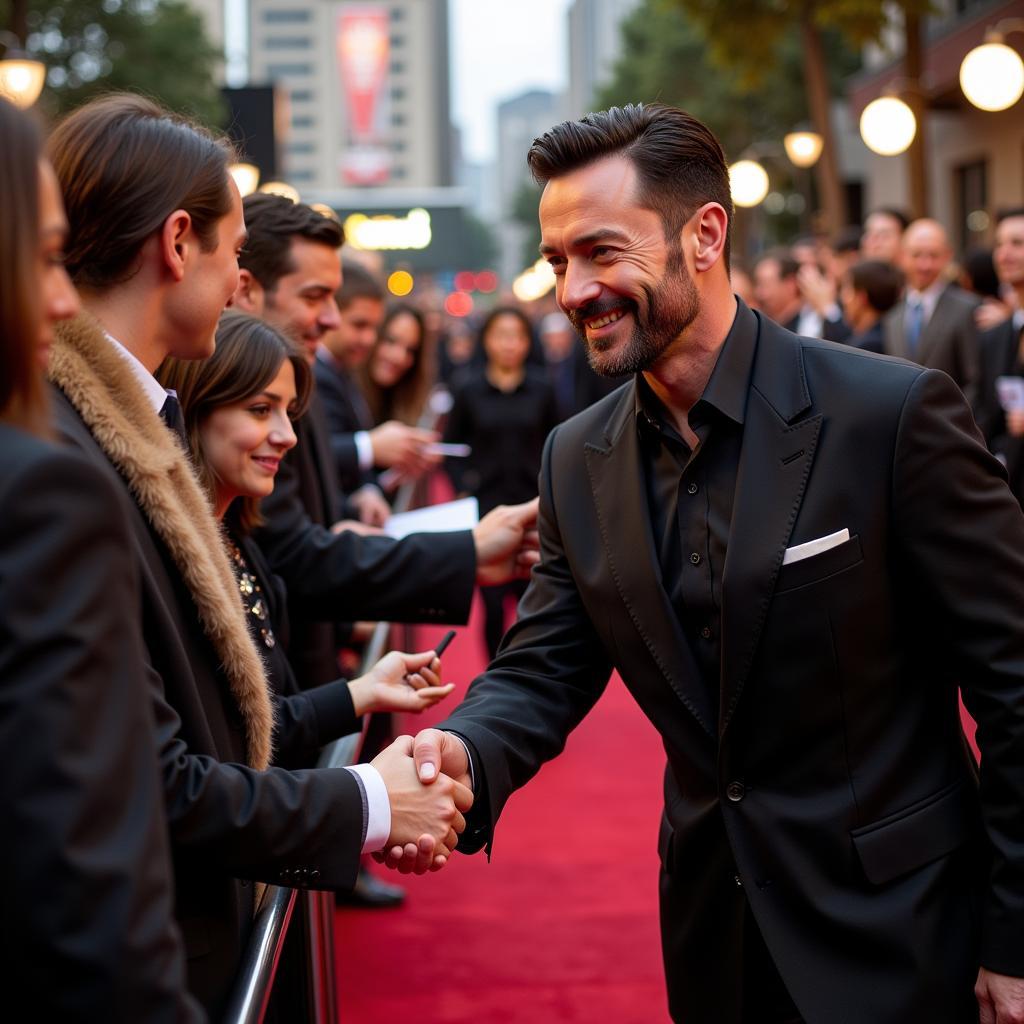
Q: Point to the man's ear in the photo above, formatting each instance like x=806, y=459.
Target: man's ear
x=176, y=240
x=249, y=296
x=710, y=230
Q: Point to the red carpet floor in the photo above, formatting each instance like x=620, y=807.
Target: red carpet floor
x=561, y=926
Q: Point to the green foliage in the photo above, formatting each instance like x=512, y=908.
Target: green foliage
x=525, y=206
x=667, y=56
x=479, y=249
x=155, y=47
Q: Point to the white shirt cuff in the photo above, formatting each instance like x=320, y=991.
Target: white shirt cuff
x=378, y=807
x=833, y=313
x=364, y=449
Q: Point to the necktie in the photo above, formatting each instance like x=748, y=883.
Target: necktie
x=170, y=413
x=914, y=323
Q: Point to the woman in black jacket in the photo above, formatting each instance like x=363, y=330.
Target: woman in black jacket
x=238, y=407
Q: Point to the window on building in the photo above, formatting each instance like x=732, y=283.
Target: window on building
x=287, y=43
x=295, y=17
x=301, y=148
x=301, y=177
x=397, y=67
x=398, y=93
x=971, y=193
x=288, y=70
x=398, y=119
x=397, y=173
x=301, y=95
x=397, y=42
x=398, y=146
x=397, y=13
x=303, y=121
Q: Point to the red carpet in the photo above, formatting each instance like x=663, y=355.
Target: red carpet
x=562, y=926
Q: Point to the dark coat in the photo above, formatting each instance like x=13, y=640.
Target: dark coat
x=831, y=788
x=87, y=921
x=1000, y=356
x=344, y=412
x=233, y=820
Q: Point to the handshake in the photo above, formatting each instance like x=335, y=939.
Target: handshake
x=430, y=790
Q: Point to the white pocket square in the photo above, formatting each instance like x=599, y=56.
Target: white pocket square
x=815, y=547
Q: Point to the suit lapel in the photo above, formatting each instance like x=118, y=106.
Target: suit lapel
x=933, y=331
x=620, y=498
x=775, y=462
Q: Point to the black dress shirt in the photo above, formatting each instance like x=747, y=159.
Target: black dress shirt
x=506, y=430
x=690, y=492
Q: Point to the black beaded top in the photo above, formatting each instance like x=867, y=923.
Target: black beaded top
x=252, y=598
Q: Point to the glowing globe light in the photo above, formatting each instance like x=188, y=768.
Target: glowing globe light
x=400, y=283
x=803, y=148
x=458, y=304
x=246, y=176
x=992, y=76
x=282, y=189
x=748, y=182
x=21, y=79
x=535, y=282
x=888, y=126
x=486, y=281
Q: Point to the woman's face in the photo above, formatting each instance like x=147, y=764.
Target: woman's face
x=507, y=342
x=396, y=350
x=59, y=298
x=243, y=443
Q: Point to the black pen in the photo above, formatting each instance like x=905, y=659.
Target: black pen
x=445, y=641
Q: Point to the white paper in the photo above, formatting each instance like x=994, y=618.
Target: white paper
x=1011, y=393
x=815, y=547
x=463, y=514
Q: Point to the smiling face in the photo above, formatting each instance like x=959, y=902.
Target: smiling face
x=1008, y=254
x=396, y=351
x=302, y=303
x=625, y=289
x=507, y=343
x=243, y=443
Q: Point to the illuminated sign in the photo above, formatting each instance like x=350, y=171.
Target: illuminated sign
x=386, y=232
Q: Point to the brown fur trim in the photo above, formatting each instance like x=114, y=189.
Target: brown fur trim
x=100, y=384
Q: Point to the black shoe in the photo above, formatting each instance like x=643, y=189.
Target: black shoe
x=370, y=892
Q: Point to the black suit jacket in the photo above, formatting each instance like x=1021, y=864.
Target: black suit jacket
x=345, y=577
x=948, y=342
x=87, y=928
x=832, y=780
x=230, y=825
x=345, y=412
x=1000, y=356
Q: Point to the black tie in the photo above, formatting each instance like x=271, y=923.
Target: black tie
x=170, y=413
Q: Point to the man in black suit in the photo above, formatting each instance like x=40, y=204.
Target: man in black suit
x=793, y=552
x=1002, y=356
x=934, y=323
x=573, y=379
x=360, y=446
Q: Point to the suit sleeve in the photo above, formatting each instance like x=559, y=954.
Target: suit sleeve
x=307, y=720
x=86, y=865
x=962, y=532
x=549, y=672
x=968, y=354
x=346, y=577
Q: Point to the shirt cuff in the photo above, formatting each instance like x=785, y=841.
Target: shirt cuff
x=833, y=313
x=378, y=807
x=364, y=449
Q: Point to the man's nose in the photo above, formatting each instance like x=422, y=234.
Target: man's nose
x=330, y=317
x=578, y=287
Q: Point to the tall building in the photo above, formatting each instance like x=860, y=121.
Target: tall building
x=368, y=89
x=595, y=43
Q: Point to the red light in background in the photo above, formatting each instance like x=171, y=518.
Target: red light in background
x=465, y=281
x=458, y=304
x=486, y=281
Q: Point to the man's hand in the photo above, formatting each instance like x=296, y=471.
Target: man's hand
x=400, y=682
x=354, y=526
x=817, y=290
x=433, y=751
x=370, y=505
x=506, y=543
x=1015, y=422
x=427, y=816
x=1000, y=998
x=396, y=446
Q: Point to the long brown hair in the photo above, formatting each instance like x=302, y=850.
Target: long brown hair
x=22, y=391
x=248, y=357
x=406, y=399
x=125, y=165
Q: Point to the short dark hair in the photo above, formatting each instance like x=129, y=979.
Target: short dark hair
x=125, y=164
x=881, y=282
x=895, y=214
x=357, y=283
x=977, y=265
x=679, y=162
x=273, y=221
x=788, y=267
x=1008, y=212
x=848, y=240
x=247, y=358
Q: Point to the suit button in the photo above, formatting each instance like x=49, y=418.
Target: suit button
x=735, y=791
x=692, y=489
x=695, y=558
x=706, y=632
x=314, y=875
x=738, y=881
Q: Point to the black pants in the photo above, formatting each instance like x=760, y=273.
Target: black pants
x=494, y=611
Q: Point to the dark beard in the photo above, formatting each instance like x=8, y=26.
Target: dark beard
x=671, y=307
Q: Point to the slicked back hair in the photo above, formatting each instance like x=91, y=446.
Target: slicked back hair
x=357, y=283
x=125, y=165
x=679, y=162
x=273, y=221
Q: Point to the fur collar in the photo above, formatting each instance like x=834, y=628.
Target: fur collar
x=100, y=385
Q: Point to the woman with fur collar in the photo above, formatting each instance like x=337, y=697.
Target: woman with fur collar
x=155, y=229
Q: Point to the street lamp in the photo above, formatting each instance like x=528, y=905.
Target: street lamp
x=21, y=76
x=748, y=182
x=803, y=147
x=246, y=176
x=992, y=75
x=888, y=126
